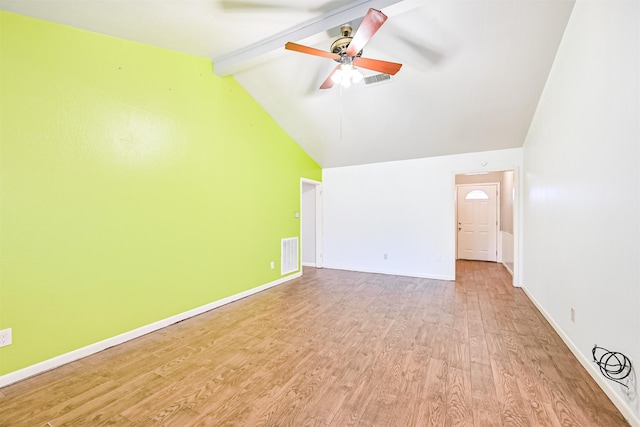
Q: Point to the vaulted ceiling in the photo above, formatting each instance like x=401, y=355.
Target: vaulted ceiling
x=473, y=70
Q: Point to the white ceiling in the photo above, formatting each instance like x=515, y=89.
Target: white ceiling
x=472, y=76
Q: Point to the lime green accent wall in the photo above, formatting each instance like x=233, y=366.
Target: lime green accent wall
x=135, y=185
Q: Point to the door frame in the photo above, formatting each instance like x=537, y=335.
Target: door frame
x=498, y=218
x=517, y=220
x=318, y=227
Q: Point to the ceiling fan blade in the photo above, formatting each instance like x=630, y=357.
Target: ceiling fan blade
x=328, y=83
x=310, y=50
x=373, y=20
x=385, y=67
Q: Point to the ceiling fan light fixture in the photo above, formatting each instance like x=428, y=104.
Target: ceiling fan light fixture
x=346, y=74
x=356, y=76
x=337, y=76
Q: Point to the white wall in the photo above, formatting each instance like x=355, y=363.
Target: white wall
x=479, y=179
x=581, y=214
x=404, y=209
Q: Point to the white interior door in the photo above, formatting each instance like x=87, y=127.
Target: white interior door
x=477, y=222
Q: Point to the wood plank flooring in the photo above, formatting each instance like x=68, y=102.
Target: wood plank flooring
x=333, y=348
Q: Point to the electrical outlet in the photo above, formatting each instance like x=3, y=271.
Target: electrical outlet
x=573, y=315
x=273, y=265
x=385, y=256
x=5, y=337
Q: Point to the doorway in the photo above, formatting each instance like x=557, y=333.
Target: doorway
x=311, y=223
x=508, y=251
x=477, y=207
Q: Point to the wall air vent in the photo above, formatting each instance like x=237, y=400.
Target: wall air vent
x=376, y=78
x=289, y=256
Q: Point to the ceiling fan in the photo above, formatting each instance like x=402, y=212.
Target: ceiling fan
x=347, y=51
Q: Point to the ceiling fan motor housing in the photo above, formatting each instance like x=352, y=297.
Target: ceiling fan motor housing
x=340, y=45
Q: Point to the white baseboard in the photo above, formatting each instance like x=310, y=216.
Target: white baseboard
x=308, y=264
x=80, y=353
x=605, y=385
x=394, y=273
x=506, y=267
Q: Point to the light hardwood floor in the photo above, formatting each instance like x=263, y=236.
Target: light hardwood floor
x=334, y=348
